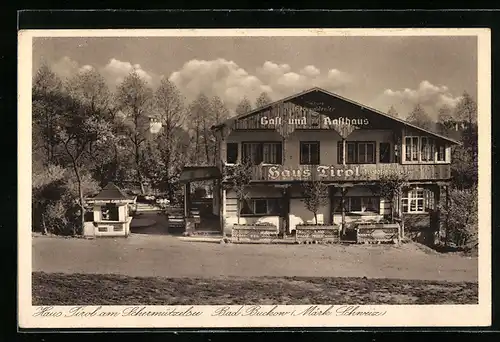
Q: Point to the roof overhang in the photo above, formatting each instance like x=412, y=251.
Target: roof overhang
x=199, y=173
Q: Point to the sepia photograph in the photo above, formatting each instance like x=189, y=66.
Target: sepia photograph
x=286, y=175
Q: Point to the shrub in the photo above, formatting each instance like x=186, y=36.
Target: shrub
x=55, y=200
x=461, y=218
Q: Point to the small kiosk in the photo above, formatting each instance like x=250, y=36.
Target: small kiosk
x=110, y=213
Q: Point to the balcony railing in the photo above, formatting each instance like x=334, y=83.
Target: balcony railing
x=353, y=172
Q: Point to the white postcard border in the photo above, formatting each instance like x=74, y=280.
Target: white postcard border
x=395, y=315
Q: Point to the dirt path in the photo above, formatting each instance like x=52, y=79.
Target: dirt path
x=167, y=256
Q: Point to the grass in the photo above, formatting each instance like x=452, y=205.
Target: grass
x=98, y=289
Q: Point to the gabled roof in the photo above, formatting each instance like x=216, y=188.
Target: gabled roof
x=111, y=192
x=317, y=89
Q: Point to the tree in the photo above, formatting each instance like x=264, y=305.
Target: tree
x=445, y=119
x=420, y=118
x=315, y=196
x=46, y=190
x=164, y=158
x=238, y=179
x=199, y=127
x=169, y=145
x=391, y=187
x=466, y=110
x=243, y=107
x=80, y=127
x=89, y=88
x=392, y=112
x=462, y=218
x=134, y=100
x=466, y=113
x=464, y=165
x=464, y=168
x=220, y=113
x=262, y=100
x=47, y=107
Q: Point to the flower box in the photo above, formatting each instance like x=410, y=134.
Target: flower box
x=254, y=233
x=317, y=233
x=377, y=233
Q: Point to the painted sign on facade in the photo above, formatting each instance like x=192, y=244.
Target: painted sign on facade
x=337, y=172
x=302, y=121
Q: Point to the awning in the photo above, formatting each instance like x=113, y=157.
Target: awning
x=199, y=173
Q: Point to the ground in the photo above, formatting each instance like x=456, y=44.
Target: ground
x=150, y=267
x=170, y=256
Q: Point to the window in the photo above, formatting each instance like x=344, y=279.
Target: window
x=267, y=206
x=357, y=204
x=232, y=153
x=440, y=152
x=366, y=153
x=252, y=153
x=357, y=152
x=418, y=200
x=109, y=212
x=351, y=152
x=411, y=148
x=272, y=153
x=427, y=149
x=268, y=153
x=385, y=153
x=309, y=153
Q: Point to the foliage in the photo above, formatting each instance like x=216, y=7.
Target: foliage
x=55, y=200
x=134, y=100
x=464, y=167
x=243, y=107
x=391, y=186
x=461, y=218
x=420, y=118
x=315, y=196
x=392, y=112
x=262, y=100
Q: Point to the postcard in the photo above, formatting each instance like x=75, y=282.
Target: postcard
x=264, y=178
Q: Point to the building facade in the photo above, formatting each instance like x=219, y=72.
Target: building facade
x=317, y=135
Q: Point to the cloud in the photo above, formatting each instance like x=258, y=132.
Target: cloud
x=231, y=82
x=310, y=70
x=427, y=94
x=65, y=67
x=113, y=72
x=218, y=77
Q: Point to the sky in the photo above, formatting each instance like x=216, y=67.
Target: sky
x=378, y=72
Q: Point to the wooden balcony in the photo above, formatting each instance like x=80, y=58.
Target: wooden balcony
x=349, y=173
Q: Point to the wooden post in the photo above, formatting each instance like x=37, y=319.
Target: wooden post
x=331, y=190
x=342, y=201
x=447, y=225
x=285, y=224
x=398, y=211
x=343, y=151
x=437, y=214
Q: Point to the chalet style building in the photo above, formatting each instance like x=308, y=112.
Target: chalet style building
x=319, y=135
